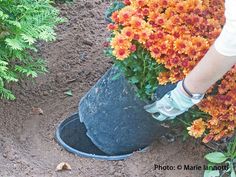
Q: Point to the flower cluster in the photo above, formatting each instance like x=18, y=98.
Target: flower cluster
x=222, y=108
x=177, y=34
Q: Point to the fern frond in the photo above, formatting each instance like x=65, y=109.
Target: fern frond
x=22, y=24
x=29, y=39
x=6, y=94
x=15, y=44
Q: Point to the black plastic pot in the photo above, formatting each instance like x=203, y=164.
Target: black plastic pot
x=71, y=134
x=115, y=119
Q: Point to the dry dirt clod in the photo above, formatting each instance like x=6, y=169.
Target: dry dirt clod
x=37, y=111
x=63, y=166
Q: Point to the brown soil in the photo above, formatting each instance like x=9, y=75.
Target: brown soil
x=75, y=61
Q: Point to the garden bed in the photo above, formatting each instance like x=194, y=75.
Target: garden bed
x=75, y=62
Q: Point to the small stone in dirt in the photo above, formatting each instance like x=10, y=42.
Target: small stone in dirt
x=63, y=166
x=87, y=42
x=45, y=93
x=4, y=155
x=37, y=111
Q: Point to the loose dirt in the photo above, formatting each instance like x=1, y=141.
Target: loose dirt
x=75, y=62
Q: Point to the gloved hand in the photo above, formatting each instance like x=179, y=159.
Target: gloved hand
x=170, y=105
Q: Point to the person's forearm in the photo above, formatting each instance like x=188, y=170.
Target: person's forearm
x=209, y=70
x=220, y=57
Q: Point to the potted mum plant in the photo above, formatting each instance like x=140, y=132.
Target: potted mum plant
x=156, y=43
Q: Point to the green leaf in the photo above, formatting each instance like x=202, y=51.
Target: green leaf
x=3, y=68
x=14, y=43
x=211, y=173
x=116, y=76
x=15, y=23
x=148, y=86
x=114, y=7
x=3, y=63
x=137, y=68
x=68, y=93
x=6, y=94
x=3, y=16
x=31, y=73
x=28, y=39
x=216, y=157
x=47, y=34
x=134, y=80
x=1, y=82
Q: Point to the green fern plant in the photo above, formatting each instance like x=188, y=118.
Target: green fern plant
x=22, y=24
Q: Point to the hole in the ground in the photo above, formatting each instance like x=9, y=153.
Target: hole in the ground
x=71, y=134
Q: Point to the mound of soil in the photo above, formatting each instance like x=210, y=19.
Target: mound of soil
x=75, y=62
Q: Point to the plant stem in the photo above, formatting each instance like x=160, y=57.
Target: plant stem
x=144, y=70
x=184, y=122
x=200, y=114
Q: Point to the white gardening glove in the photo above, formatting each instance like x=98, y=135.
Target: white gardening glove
x=171, y=105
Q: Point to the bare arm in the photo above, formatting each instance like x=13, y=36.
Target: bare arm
x=219, y=59
x=210, y=69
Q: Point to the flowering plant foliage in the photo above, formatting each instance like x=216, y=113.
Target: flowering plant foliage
x=156, y=42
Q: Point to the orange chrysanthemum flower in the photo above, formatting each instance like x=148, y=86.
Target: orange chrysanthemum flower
x=128, y=32
x=115, y=17
x=181, y=46
x=139, y=3
x=125, y=14
x=112, y=27
x=198, y=128
x=121, y=53
x=120, y=41
x=137, y=23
